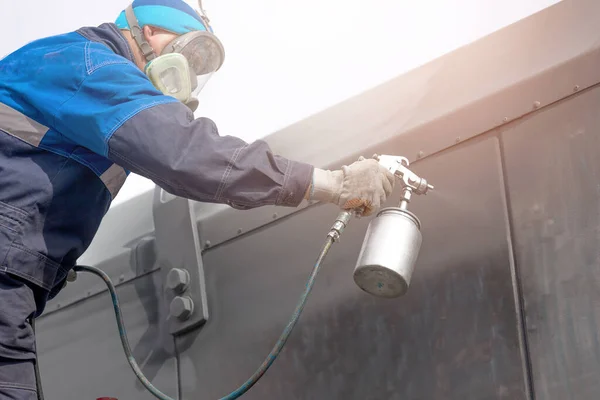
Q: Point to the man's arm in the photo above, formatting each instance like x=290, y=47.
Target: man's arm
x=117, y=113
x=189, y=158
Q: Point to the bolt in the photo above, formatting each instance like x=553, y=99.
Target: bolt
x=89, y=293
x=457, y=139
x=181, y=308
x=58, y=305
x=207, y=244
x=536, y=104
x=421, y=154
x=505, y=119
x=576, y=88
x=275, y=216
x=239, y=231
x=121, y=278
x=72, y=276
x=178, y=280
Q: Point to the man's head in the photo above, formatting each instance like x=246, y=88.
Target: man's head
x=157, y=38
x=172, y=44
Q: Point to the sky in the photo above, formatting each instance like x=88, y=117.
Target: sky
x=286, y=60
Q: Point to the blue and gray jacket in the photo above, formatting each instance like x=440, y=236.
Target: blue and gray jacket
x=76, y=115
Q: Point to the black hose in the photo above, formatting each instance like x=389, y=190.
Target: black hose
x=38, y=378
x=259, y=372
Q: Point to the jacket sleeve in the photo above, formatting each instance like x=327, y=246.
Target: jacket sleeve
x=124, y=118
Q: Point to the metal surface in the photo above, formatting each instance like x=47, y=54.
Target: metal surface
x=388, y=254
x=553, y=175
x=453, y=336
x=81, y=355
x=460, y=95
x=178, y=251
x=214, y=229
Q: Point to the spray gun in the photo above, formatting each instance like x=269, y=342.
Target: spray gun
x=391, y=246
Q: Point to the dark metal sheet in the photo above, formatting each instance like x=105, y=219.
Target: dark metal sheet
x=553, y=174
x=81, y=355
x=453, y=336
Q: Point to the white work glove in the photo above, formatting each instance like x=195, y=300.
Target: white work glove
x=365, y=183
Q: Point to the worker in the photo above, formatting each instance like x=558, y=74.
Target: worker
x=80, y=111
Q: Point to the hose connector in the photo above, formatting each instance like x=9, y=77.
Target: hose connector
x=341, y=222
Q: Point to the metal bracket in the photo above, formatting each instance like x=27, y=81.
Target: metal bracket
x=179, y=257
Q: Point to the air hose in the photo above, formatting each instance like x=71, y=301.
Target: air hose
x=339, y=225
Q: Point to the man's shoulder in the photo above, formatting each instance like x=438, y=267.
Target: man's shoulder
x=58, y=66
x=83, y=50
x=63, y=49
x=105, y=45
x=96, y=55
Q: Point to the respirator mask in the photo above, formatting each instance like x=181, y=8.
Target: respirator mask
x=185, y=64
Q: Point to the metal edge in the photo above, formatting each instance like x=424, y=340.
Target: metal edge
x=551, y=71
x=231, y=223
x=514, y=273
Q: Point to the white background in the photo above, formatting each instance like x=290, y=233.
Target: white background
x=288, y=59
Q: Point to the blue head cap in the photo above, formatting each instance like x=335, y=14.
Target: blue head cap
x=171, y=15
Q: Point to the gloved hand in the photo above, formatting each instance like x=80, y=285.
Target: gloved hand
x=364, y=183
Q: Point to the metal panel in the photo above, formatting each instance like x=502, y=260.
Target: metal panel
x=453, y=336
x=178, y=253
x=553, y=173
x=81, y=355
x=216, y=230
x=495, y=80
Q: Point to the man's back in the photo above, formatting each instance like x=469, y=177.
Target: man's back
x=54, y=190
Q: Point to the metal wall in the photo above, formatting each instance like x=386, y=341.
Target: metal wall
x=553, y=173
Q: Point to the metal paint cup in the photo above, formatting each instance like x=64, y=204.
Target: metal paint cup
x=389, y=251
